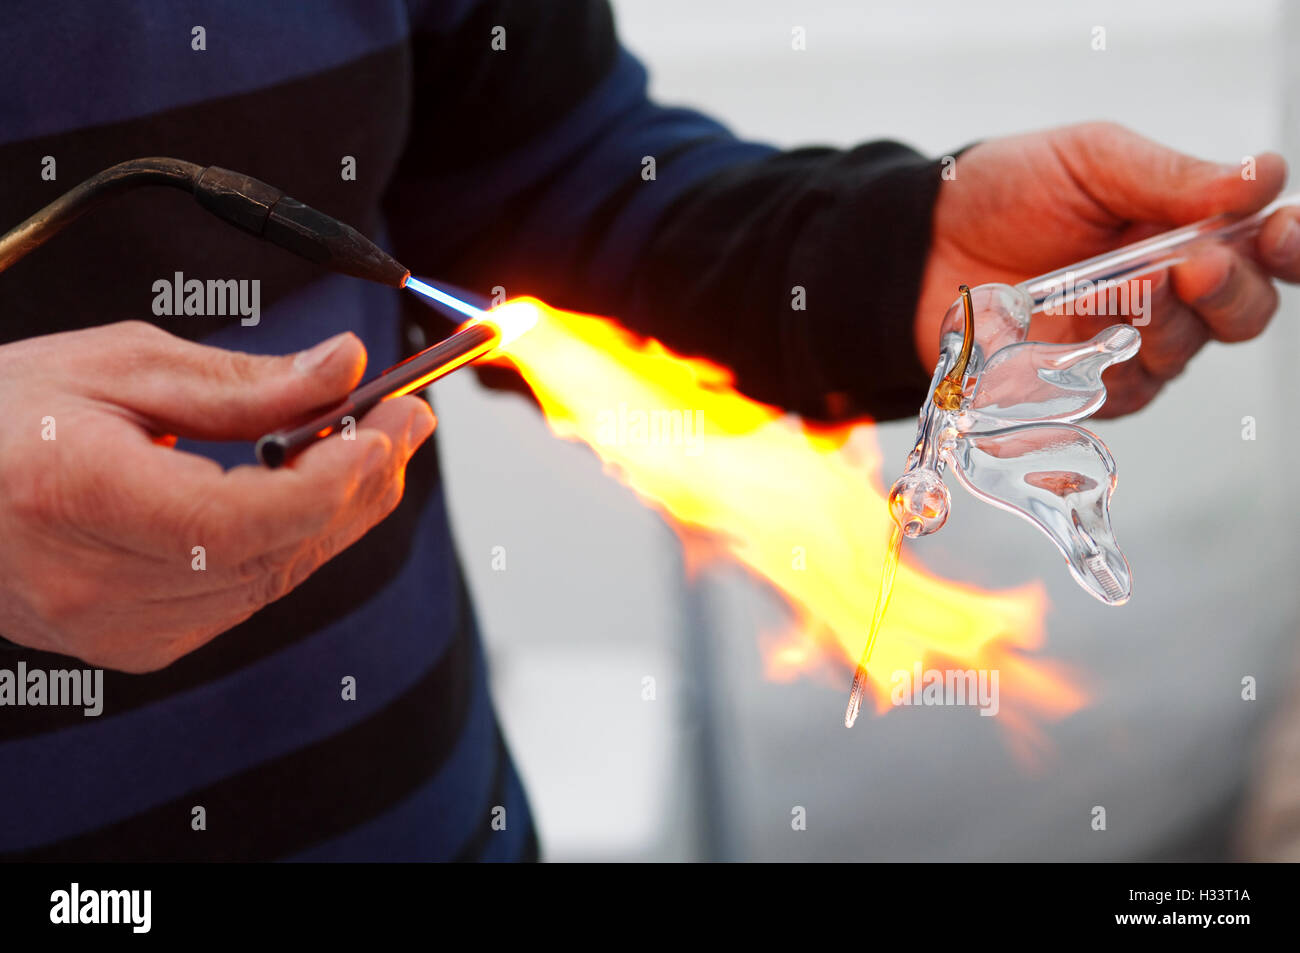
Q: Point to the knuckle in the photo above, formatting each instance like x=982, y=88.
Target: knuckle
x=1264, y=312
x=1225, y=293
x=1106, y=127
x=341, y=495
x=136, y=344
x=67, y=604
x=266, y=589
x=264, y=576
x=135, y=331
x=344, y=497
x=153, y=657
x=203, y=522
x=1099, y=133
x=234, y=366
x=1246, y=313
x=391, y=496
x=303, y=567
x=165, y=653
x=255, y=568
x=272, y=577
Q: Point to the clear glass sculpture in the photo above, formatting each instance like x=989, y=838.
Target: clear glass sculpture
x=1002, y=411
x=1011, y=440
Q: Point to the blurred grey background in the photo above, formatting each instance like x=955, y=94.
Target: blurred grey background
x=593, y=598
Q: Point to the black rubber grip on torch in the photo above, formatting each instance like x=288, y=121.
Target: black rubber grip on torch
x=241, y=200
x=470, y=342
x=268, y=213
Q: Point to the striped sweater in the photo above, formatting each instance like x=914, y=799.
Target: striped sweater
x=476, y=164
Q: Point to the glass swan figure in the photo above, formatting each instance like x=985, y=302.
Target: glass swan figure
x=1003, y=413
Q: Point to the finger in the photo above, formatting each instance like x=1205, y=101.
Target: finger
x=1227, y=290
x=383, y=488
x=1137, y=179
x=1129, y=387
x=334, y=482
x=231, y=590
x=1278, y=244
x=1173, y=336
x=208, y=393
x=152, y=500
x=372, y=488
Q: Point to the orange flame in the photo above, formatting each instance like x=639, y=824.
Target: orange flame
x=801, y=509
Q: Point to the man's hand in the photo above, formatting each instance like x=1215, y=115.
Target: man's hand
x=1026, y=205
x=98, y=526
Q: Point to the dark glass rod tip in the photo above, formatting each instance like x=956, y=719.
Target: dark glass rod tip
x=272, y=451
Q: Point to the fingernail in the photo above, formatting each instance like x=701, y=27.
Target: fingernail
x=314, y=358
x=1287, y=246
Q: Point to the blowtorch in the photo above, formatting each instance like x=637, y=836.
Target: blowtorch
x=267, y=213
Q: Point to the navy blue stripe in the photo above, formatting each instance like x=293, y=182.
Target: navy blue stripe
x=518, y=841
x=109, y=60
x=434, y=821
x=288, y=804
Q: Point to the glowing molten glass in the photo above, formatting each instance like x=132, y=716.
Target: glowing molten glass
x=801, y=509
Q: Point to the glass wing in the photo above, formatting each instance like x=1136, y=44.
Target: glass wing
x=1059, y=477
x=1037, y=382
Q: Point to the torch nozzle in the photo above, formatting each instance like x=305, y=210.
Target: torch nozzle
x=268, y=213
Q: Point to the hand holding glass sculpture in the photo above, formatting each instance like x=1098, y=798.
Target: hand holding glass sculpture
x=1002, y=411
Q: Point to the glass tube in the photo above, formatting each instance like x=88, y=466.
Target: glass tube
x=1165, y=250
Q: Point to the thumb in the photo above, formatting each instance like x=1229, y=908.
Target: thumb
x=1139, y=180
x=208, y=393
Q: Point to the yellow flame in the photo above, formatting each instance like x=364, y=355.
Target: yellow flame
x=512, y=319
x=800, y=508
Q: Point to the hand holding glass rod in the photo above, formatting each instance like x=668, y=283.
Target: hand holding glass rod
x=485, y=332
x=1155, y=254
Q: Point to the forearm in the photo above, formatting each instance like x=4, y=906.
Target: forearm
x=798, y=270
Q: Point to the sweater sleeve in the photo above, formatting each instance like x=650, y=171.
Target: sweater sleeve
x=543, y=167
